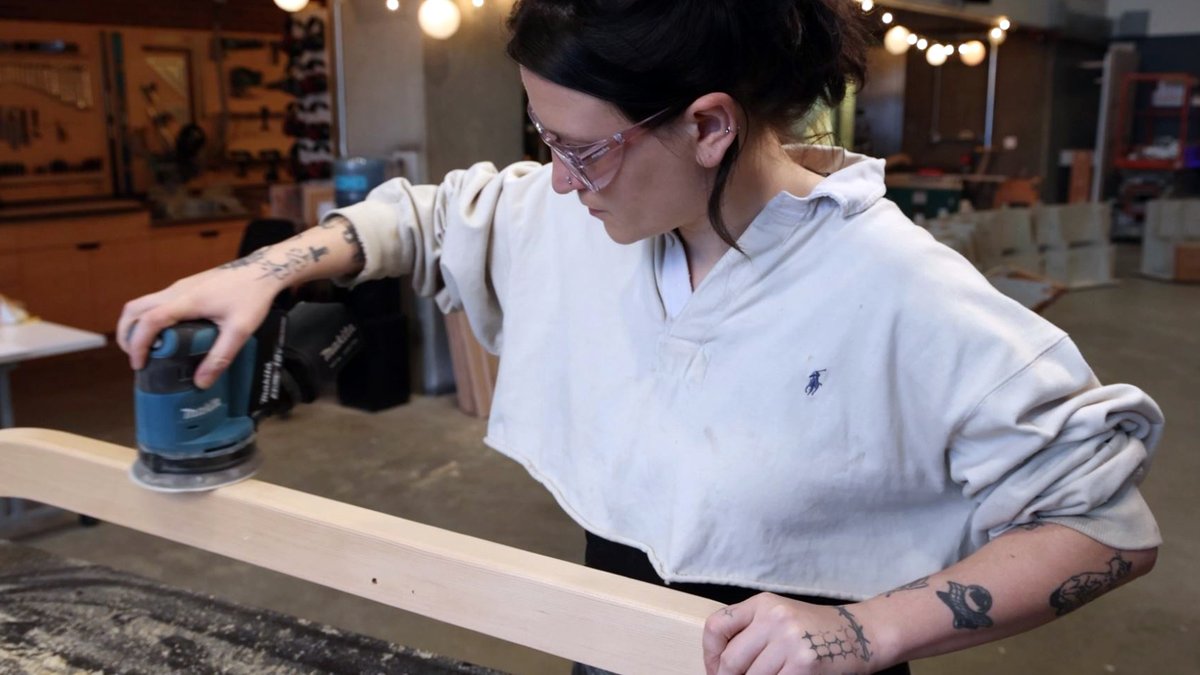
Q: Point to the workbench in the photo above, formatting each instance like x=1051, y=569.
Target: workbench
x=65, y=616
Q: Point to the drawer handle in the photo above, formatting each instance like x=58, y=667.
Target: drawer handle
x=210, y=234
x=88, y=246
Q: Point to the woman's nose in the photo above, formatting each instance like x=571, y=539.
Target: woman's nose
x=561, y=179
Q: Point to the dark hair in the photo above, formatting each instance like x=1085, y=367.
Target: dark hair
x=776, y=58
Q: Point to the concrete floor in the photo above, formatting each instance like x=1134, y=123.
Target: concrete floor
x=425, y=461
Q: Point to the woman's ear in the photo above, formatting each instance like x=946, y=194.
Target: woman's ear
x=715, y=121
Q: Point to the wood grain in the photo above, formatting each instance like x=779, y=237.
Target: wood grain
x=577, y=613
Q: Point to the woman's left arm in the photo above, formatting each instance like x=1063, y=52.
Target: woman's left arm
x=1020, y=580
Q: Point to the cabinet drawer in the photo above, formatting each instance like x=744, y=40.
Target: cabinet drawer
x=69, y=231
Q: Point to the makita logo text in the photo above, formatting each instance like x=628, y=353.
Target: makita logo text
x=330, y=352
x=193, y=413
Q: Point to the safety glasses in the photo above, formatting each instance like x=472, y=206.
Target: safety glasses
x=594, y=165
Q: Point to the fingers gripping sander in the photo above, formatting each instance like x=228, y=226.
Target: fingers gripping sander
x=192, y=439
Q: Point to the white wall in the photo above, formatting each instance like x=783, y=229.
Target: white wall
x=385, y=78
x=1167, y=17
x=457, y=100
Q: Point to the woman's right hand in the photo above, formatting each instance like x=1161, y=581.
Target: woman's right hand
x=237, y=299
x=237, y=296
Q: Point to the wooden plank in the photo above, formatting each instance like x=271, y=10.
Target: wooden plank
x=577, y=613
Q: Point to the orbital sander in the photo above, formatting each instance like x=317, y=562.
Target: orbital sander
x=191, y=439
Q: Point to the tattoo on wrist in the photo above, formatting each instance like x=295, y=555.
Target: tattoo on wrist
x=913, y=585
x=350, y=234
x=1083, y=588
x=844, y=643
x=247, y=261
x=970, y=605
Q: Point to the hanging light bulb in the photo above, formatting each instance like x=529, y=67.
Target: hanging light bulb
x=477, y=3
x=1005, y=24
x=973, y=53
x=912, y=39
x=997, y=36
x=936, y=55
x=291, y=5
x=868, y=5
x=896, y=40
x=922, y=44
x=887, y=17
x=439, y=18
x=393, y=5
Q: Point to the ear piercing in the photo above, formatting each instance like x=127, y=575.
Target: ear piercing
x=728, y=129
x=570, y=180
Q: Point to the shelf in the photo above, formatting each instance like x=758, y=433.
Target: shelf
x=53, y=178
x=1151, y=164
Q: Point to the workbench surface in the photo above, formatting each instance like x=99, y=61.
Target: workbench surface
x=68, y=616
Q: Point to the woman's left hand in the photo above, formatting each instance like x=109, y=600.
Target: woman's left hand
x=769, y=634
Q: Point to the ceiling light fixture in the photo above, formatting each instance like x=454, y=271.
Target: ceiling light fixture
x=291, y=5
x=439, y=18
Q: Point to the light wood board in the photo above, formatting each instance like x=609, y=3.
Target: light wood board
x=557, y=607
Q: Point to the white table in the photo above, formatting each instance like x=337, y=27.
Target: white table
x=36, y=340
x=25, y=342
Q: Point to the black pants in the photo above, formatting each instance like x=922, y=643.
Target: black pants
x=627, y=561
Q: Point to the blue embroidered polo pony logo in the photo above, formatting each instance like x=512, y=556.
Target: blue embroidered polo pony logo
x=814, y=382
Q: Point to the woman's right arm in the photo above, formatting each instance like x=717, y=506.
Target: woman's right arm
x=454, y=239
x=237, y=295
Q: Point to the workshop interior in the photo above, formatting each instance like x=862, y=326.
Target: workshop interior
x=1054, y=144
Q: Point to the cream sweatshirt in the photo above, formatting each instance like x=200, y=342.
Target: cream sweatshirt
x=845, y=408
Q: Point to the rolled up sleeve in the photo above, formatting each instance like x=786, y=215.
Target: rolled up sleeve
x=1052, y=444
x=450, y=237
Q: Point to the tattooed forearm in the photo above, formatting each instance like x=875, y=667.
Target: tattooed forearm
x=1083, y=588
x=913, y=585
x=970, y=605
x=844, y=643
x=351, y=236
x=246, y=261
x=860, y=638
x=295, y=259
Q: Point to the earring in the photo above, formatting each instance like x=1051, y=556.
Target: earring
x=570, y=180
x=728, y=129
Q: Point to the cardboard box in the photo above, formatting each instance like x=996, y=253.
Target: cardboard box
x=1187, y=261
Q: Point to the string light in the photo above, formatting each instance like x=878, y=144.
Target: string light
x=972, y=53
x=899, y=39
x=477, y=3
x=936, y=55
x=393, y=5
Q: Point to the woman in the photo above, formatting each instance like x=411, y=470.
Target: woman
x=738, y=367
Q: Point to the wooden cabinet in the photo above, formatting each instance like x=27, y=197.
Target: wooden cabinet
x=183, y=251
x=56, y=285
x=10, y=275
x=120, y=271
x=81, y=271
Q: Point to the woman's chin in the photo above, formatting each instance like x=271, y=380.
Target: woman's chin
x=621, y=235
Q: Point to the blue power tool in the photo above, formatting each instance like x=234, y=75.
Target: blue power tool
x=192, y=439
